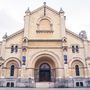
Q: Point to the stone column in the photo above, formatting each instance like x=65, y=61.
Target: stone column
x=23, y=71
x=65, y=56
x=86, y=55
x=65, y=67
x=2, y=72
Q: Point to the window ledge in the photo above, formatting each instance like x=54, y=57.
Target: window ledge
x=44, y=31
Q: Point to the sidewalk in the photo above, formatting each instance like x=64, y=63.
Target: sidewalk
x=44, y=88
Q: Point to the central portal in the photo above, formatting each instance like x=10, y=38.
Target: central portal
x=44, y=70
x=44, y=73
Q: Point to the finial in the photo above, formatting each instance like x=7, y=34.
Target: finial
x=44, y=3
x=5, y=36
x=83, y=34
x=44, y=8
x=61, y=10
x=28, y=11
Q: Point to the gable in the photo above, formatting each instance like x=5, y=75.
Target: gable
x=44, y=7
x=44, y=24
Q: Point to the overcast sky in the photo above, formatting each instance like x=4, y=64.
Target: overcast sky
x=12, y=13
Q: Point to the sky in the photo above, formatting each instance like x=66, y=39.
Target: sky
x=12, y=14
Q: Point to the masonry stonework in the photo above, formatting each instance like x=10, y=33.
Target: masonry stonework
x=45, y=51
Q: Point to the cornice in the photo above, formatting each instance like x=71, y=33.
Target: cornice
x=44, y=31
x=74, y=34
x=43, y=40
x=14, y=34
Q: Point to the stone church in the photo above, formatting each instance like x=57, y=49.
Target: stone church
x=45, y=53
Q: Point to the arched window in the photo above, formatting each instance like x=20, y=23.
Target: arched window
x=77, y=70
x=12, y=49
x=73, y=49
x=16, y=48
x=77, y=49
x=12, y=70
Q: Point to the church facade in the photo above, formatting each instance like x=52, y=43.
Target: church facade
x=45, y=51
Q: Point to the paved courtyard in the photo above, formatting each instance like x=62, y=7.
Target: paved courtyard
x=44, y=88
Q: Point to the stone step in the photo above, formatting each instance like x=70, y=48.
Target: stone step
x=44, y=84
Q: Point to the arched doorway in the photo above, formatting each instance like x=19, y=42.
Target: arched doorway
x=44, y=72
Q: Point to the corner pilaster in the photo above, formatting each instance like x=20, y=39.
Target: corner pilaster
x=62, y=22
x=26, y=23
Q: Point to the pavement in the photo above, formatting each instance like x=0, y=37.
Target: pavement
x=44, y=88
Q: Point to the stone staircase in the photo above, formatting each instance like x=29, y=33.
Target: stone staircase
x=44, y=84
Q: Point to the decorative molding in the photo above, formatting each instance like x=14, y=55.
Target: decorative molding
x=45, y=53
x=57, y=47
x=1, y=58
x=16, y=33
x=52, y=40
x=24, y=48
x=14, y=59
x=65, y=48
x=44, y=31
x=64, y=39
x=77, y=58
x=74, y=34
x=45, y=47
